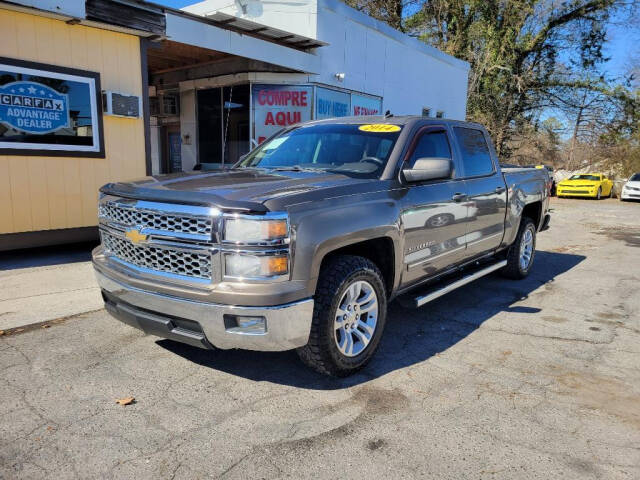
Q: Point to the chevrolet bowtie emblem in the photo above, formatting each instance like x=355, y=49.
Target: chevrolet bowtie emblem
x=135, y=236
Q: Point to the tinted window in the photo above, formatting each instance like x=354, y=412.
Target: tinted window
x=635, y=178
x=475, y=152
x=585, y=177
x=433, y=144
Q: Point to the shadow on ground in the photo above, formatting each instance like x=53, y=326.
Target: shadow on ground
x=410, y=337
x=47, y=256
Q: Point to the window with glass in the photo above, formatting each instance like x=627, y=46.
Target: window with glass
x=476, y=159
x=594, y=178
x=49, y=110
x=343, y=148
x=223, y=125
x=429, y=145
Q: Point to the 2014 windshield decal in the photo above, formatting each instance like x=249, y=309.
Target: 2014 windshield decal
x=32, y=107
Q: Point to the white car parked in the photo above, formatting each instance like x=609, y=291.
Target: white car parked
x=631, y=189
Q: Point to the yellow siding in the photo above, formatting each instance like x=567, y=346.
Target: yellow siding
x=42, y=193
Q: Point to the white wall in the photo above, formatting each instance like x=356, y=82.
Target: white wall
x=186, y=30
x=72, y=8
x=379, y=60
x=295, y=16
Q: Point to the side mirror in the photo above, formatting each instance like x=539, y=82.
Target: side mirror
x=430, y=168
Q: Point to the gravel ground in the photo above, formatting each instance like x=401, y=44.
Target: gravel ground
x=532, y=379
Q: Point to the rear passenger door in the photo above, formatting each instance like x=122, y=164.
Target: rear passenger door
x=434, y=211
x=485, y=187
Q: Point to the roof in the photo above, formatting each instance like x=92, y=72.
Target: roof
x=245, y=27
x=274, y=34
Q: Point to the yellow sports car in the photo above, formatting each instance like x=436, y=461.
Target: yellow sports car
x=594, y=185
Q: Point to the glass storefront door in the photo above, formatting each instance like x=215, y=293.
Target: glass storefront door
x=223, y=125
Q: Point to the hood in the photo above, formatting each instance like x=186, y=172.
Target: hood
x=249, y=190
x=634, y=184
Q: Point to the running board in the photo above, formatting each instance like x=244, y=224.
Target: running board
x=443, y=290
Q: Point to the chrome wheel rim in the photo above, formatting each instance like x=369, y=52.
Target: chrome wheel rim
x=356, y=318
x=526, y=249
x=439, y=221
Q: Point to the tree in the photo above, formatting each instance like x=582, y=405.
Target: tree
x=523, y=53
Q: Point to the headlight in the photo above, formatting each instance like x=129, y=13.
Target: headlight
x=241, y=265
x=247, y=230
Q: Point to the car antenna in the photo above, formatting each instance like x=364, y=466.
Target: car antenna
x=388, y=114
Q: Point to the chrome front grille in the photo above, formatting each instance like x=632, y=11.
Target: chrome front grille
x=161, y=259
x=164, y=221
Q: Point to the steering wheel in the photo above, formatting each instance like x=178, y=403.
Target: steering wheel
x=375, y=160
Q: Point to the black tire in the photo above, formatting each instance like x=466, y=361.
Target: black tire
x=514, y=269
x=322, y=353
x=599, y=194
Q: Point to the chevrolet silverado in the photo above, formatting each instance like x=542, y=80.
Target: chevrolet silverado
x=303, y=242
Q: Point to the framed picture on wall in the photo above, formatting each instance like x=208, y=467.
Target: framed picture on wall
x=49, y=110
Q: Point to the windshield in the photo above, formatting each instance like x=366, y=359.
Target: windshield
x=344, y=148
x=585, y=177
x=635, y=177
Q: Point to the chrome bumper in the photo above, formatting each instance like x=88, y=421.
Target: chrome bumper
x=287, y=326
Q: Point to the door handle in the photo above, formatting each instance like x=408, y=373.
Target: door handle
x=459, y=197
x=500, y=190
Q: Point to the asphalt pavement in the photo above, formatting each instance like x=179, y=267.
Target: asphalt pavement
x=538, y=378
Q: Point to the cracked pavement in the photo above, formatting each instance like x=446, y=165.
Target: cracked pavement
x=537, y=378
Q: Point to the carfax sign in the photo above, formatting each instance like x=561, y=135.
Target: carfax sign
x=49, y=110
x=33, y=107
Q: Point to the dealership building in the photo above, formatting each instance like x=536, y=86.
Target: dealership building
x=93, y=91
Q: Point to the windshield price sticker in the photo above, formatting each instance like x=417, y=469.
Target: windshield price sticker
x=379, y=127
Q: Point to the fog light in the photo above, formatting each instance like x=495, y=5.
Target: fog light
x=247, y=325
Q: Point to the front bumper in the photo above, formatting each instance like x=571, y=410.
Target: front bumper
x=206, y=325
x=628, y=194
x=576, y=192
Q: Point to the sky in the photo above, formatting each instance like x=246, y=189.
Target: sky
x=623, y=40
x=175, y=3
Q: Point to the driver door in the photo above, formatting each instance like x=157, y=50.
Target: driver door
x=434, y=212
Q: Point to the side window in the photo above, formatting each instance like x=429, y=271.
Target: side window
x=476, y=159
x=431, y=144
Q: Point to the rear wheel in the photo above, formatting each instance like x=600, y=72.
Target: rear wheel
x=522, y=251
x=348, y=317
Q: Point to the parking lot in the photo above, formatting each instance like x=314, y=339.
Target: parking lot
x=538, y=378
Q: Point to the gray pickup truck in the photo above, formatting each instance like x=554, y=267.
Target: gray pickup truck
x=303, y=242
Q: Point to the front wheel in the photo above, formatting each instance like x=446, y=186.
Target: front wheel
x=521, y=252
x=349, y=315
x=599, y=194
